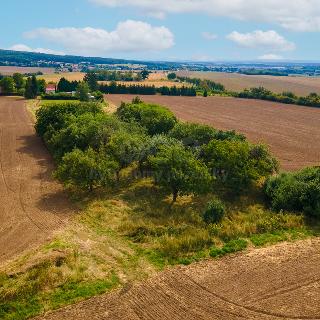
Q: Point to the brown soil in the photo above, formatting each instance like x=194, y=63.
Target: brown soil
x=292, y=132
x=237, y=82
x=280, y=282
x=32, y=205
x=11, y=70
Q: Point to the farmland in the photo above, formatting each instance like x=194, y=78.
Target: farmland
x=233, y=288
x=32, y=204
x=11, y=70
x=237, y=82
x=292, y=132
x=157, y=79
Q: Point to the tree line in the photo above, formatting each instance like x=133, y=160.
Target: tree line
x=18, y=84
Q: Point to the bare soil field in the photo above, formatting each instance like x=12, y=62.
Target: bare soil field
x=292, y=132
x=275, y=283
x=32, y=205
x=11, y=70
x=237, y=82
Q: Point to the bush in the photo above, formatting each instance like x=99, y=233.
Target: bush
x=156, y=119
x=299, y=192
x=215, y=212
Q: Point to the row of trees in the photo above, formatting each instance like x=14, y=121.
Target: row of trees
x=29, y=87
x=115, y=88
x=201, y=84
x=92, y=148
x=312, y=100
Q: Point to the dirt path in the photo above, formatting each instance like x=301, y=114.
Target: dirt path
x=292, y=132
x=275, y=283
x=32, y=205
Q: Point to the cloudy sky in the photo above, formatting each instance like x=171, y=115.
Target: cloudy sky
x=199, y=30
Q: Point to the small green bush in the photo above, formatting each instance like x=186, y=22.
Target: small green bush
x=215, y=211
x=230, y=247
x=299, y=192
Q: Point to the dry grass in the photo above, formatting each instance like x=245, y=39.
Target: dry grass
x=237, y=82
x=55, y=77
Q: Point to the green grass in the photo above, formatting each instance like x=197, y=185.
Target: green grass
x=127, y=234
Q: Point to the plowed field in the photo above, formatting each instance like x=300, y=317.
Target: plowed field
x=32, y=204
x=275, y=283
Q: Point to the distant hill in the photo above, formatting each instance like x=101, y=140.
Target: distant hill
x=30, y=59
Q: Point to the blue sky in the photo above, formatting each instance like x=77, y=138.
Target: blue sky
x=206, y=30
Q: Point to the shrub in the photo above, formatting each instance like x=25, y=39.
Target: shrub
x=156, y=119
x=215, y=211
x=298, y=192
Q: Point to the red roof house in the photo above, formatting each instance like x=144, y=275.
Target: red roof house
x=50, y=88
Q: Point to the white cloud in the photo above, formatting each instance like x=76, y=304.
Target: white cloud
x=298, y=15
x=270, y=56
x=270, y=40
x=23, y=47
x=209, y=36
x=129, y=36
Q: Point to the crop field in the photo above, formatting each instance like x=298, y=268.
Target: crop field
x=32, y=204
x=291, y=132
x=257, y=286
x=11, y=70
x=237, y=82
x=157, y=79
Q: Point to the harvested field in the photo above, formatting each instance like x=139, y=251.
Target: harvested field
x=11, y=70
x=280, y=282
x=55, y=77
x=32, y=205
x=237, y=82
x=292, y=132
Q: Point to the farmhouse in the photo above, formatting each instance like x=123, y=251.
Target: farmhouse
x=51, y=88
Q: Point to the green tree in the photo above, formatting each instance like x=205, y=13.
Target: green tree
x=172, y=76
x=237, y=164
x=7, y=85
x=192, y=134
x=144, y=74
x=125, y=148
x=91, y=79
x=29, y=92
x=83, y=91
x=156, y=119
x=177, y=169
x=18, y=80
x=34, y=86
x=86, y=170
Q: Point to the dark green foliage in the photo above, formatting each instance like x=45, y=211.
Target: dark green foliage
x=67, y=86
x=83, y=91
x=91, y=79
x=156, y=119
x=172, y=76
x=83, y=131
x=145, y=74
x=215, y=211
x=203, y=84
x=126, y=147
x=52, y=117
x=86, y=170
x=192, y=134
x=7, y=85
x=177, y=169
x=299, y=192
x=18, y=80
x=237, y=164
